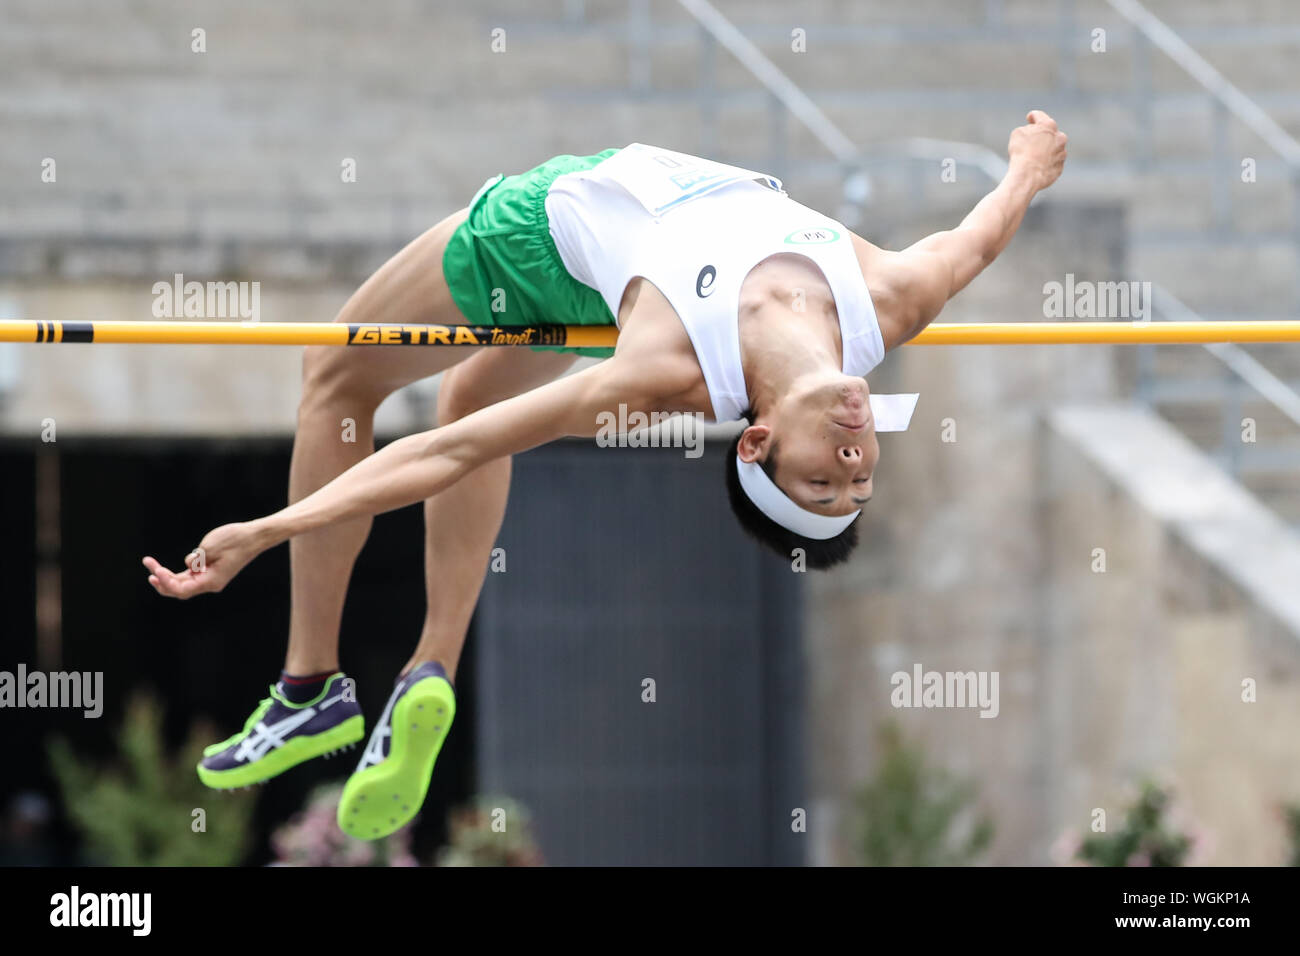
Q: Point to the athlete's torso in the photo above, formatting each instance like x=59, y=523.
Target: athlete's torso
x=697, y=230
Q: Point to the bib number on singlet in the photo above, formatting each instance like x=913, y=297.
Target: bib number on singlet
x=811, y=237
x=662, y=179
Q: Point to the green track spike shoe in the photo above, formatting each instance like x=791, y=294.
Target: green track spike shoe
x=279, y=735
x=391, y=781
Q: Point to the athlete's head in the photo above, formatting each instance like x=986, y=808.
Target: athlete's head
x=799, y=474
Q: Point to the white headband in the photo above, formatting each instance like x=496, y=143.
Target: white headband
x=892, y=413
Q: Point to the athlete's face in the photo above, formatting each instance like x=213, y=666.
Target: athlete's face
x=828, y=447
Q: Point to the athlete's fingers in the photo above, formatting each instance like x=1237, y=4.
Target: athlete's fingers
x=157, y=573
x=159, y=587
x=180, y=586
x=171, y=585
x=162, y=579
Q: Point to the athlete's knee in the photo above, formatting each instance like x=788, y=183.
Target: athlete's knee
x=334, y=377
x=460, y=394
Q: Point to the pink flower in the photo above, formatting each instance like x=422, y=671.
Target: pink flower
x=1065, y=851
x=1202, y=845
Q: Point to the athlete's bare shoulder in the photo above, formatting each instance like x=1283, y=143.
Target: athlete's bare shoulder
x=655, y=353
x=901, y=289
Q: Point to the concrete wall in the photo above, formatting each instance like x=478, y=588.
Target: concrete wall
x=1145, y=663
x=977, y=552
x=978, y=555
x=150, y=389
x=225, y=164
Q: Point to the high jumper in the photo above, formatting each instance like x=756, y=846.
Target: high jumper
x=731, y=301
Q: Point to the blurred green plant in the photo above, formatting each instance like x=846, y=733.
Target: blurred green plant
x=911, y=814
x=141, y=810
x=312, y=838
x=1147, y=836
x=490, y=831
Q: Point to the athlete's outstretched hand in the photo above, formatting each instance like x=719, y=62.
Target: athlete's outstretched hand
x=221, y=555
x=1040, y=145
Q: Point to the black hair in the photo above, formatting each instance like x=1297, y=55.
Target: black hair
x=818, y=554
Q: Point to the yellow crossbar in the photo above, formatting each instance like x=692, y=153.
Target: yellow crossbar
x=599, y=336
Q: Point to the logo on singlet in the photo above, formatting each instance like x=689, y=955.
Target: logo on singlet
x=704, y=282
x=807, y=237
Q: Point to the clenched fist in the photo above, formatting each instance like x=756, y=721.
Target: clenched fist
x=1039, y=147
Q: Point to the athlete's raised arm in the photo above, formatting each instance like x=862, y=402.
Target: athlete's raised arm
x=419, y=466
x=912, y=286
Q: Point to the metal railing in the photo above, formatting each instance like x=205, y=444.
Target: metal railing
x=785, y=97
x=789, y=101
x=1245, y=378
x=1150, y=37
x=1227, y=101
x=1242, y=367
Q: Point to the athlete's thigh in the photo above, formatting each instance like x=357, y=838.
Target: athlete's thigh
x=494, y=375
x=408, y=288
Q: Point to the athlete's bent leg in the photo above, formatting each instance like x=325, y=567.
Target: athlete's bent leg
x=462, y=523
x=315, y=712
x=342, y=387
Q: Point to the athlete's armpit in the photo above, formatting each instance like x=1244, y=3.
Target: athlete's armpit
x=908, y=289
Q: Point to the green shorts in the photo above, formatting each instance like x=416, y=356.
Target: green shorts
x=502, y=266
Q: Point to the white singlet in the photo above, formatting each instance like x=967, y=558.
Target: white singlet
x=695, y=229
